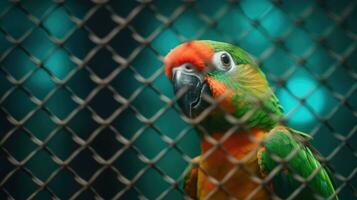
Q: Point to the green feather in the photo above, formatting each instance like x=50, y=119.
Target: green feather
x=280, y=143
x=250, y=86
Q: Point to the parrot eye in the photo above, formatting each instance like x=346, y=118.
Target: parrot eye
x=223, y=61
x=226, y=61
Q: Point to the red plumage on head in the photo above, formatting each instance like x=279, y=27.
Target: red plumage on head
x=197, y=53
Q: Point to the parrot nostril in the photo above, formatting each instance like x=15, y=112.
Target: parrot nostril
x=189, y=68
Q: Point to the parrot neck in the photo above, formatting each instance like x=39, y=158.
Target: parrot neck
x=238, y=145
x=263, y=107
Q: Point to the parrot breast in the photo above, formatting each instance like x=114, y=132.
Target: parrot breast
x=241, y=147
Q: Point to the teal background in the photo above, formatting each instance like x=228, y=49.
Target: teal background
x=307, y=49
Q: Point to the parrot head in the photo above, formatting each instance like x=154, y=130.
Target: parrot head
x=223, y=79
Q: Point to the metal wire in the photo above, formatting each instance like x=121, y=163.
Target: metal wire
x=104, y=81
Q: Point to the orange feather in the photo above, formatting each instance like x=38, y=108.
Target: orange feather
x=197, y=53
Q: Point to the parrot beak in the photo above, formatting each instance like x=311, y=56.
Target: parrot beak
x=187, y=80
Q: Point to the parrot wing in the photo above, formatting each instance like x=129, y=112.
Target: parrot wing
x=286, y=144
x=190, y=180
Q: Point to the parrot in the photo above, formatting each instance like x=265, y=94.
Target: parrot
x=247, y=151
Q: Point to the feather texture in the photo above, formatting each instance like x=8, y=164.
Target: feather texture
x=301, y=164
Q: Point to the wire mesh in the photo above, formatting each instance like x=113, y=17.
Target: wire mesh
x=87, y=112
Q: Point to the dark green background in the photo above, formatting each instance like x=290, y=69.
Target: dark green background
x=307, y=49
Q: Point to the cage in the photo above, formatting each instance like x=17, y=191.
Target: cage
x=87, y=111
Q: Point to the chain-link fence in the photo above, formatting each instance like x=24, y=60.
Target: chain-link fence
x=87, y=112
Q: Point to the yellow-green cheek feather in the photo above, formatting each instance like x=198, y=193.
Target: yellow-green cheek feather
x=250, y=89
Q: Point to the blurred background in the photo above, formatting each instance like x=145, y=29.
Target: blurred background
x=80, y=82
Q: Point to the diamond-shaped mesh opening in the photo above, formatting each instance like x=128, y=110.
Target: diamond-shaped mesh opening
x=18, y=27
x=86, y=111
